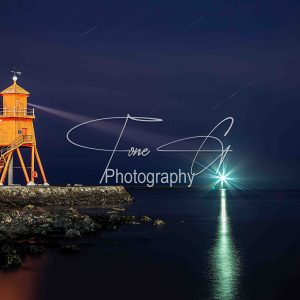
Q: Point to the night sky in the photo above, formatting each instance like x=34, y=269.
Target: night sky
x=191, y=63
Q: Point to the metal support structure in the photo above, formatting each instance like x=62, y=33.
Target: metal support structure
x=40, y=165
x=10, y=180
x=3, y=176
x=32, y=164
x=23, y=165
x=30, y=178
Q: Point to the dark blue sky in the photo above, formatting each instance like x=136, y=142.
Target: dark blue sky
x=191, y=63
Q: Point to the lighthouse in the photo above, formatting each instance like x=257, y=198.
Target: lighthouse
x=17, y=134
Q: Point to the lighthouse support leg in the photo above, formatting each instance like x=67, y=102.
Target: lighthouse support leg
x=6, y=168
x=31, y=182
x=23, y=165
x=40, y=165
x=10, y=180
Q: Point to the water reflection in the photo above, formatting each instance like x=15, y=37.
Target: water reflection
x=225, y=258
x=23, y=283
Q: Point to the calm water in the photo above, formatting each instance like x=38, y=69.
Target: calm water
x=214, y=246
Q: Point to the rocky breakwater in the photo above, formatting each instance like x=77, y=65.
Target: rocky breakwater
x=19, y=196
x=30, y=230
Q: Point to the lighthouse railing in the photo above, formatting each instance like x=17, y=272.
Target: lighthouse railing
x=17, y=112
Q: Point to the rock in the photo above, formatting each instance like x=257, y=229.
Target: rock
x=35, y=221
x=72, y=234
x=146, y=219
x=109, y=212
x=115, y=208
x=8, y=249
x=158, y=222
x=127, y=219
x=36, y=249
x=70, y=249
x=112, y=221
x=9, y=257
x=12, y=261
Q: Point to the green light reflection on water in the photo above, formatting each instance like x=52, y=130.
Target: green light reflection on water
x=224, y=259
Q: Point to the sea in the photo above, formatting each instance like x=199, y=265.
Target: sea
x=220, y=244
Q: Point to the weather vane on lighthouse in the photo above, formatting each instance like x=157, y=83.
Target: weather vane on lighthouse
x=15, y=78
x=17, y=134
